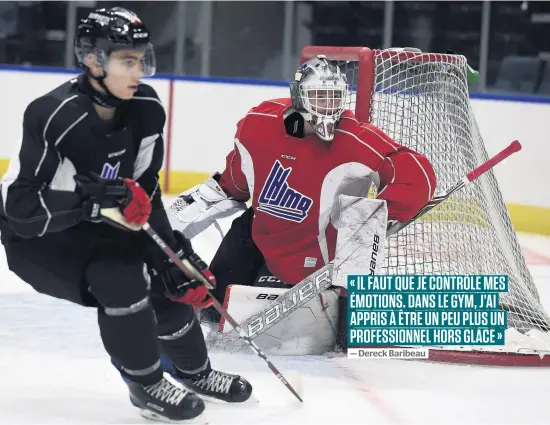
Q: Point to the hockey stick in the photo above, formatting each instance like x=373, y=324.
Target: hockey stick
x=188, y=268
x=321, y=280
x=513, y=147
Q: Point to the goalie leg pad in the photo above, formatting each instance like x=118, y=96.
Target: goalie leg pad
x=311, y=329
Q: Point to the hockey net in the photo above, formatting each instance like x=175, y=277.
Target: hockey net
x=421, y=100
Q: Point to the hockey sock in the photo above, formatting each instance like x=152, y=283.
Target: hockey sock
x=131, y=342
x=186, y=348
x=126, y=317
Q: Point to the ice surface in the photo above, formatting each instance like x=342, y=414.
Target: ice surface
x=53, y=371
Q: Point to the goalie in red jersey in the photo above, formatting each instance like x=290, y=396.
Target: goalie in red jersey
x=292, y=158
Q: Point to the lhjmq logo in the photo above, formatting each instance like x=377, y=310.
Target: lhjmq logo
x=110, y=171
x=278, y=199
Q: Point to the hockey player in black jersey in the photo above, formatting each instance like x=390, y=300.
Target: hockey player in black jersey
x=95, y=143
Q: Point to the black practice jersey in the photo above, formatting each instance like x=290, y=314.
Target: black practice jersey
x=62, y=136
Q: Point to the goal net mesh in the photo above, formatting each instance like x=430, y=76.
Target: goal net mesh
x=421, y=100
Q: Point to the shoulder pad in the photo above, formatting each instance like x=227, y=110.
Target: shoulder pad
x=147, y=100
x=145, y=90
x=51, y=112
x=272, y=106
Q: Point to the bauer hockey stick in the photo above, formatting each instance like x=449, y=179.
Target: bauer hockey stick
x=187, y=267
x=321, y=280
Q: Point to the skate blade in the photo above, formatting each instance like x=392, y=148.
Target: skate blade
x=153, y=416
x=251, y=400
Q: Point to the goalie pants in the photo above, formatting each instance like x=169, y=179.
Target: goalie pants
x=239, y=261
x=104, y=269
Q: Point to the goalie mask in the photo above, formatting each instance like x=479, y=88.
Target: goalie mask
x=319, y=92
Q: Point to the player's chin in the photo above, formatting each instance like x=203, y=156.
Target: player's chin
x=128, y=93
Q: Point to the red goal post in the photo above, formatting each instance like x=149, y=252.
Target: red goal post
x=421, y=100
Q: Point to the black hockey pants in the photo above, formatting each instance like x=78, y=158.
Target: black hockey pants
x=103, y=267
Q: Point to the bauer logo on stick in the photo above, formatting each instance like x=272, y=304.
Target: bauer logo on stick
x=279, y=200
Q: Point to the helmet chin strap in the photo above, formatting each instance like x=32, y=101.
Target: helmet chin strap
x=107, y=99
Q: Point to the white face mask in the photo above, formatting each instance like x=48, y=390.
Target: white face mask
x=319, y=92
x=324, y=102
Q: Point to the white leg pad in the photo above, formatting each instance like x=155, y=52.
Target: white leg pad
x=309, y=330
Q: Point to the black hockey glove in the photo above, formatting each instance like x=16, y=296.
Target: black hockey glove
x=179, y=286
x=99, y=193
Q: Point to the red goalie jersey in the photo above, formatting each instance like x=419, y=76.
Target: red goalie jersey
x=294, y=182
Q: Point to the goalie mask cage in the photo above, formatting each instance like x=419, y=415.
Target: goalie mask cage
x=421, y=100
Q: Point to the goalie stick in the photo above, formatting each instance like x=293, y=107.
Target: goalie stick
x=321, y=280
x=513, y=147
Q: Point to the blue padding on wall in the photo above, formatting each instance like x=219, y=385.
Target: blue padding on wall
x=259, y=82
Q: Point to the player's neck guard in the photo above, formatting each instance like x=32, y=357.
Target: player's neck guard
x=107, y=99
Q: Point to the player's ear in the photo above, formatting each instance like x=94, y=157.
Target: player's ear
x=92, y=63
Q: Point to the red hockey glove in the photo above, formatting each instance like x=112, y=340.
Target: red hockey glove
x=101, y=195
x=136, y=208
x=181, y=287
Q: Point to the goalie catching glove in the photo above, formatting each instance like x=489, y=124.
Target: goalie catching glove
x=197, y=208
x=179, y=286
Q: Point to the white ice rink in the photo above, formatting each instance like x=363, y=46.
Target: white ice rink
x=53, y=370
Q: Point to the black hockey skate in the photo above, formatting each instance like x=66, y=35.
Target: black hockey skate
x=166, y=401
x=218, y=385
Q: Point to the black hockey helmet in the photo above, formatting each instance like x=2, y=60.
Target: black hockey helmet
x=105, y=31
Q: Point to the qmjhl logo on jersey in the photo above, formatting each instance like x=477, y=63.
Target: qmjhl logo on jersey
x=279, y=200
x=110, y=171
